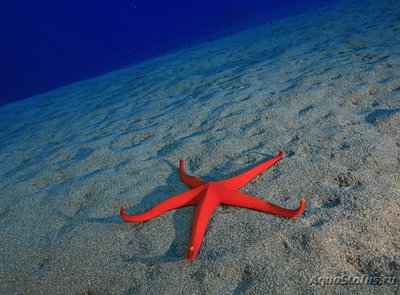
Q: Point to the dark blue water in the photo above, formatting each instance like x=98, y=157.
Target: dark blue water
x=48, y=44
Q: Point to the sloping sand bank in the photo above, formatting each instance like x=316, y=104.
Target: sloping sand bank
x=324, y=87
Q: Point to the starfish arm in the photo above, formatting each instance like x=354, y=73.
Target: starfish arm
x=203, y=213
x=187, y=198
x=241, y=180
x=189, y=180
x=239, y=199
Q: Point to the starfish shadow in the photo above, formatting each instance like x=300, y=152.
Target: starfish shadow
x=228, y=166
x=181, y=218
x=78, y=219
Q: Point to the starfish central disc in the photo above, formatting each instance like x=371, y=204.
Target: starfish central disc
x=206, y=196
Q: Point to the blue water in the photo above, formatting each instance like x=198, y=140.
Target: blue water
x=48, y=44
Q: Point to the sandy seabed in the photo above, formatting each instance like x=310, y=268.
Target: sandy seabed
x=324, y=87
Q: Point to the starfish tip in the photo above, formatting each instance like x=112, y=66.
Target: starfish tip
x=301, y=208
x=191, y=255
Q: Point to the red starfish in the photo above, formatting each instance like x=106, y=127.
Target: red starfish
x=208, y=195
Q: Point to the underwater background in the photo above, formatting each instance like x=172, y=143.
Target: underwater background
x=48, y=44
x=223, y=86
